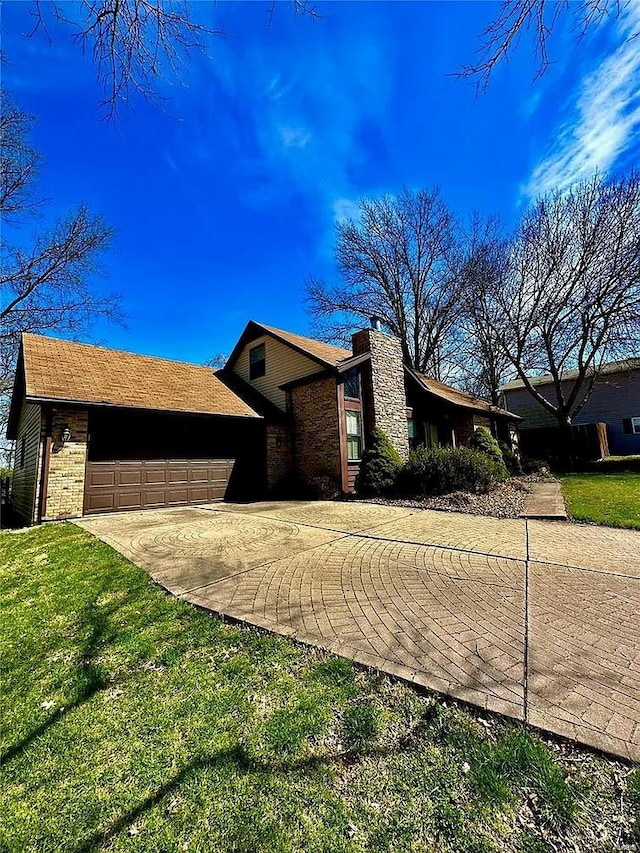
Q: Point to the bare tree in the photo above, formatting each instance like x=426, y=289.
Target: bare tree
x=20, y=162
x=570, y=299
x=45, y=276
x=396, y=261
x=485, y=365
x=217, y=361
x=537, y=18
x=135, y=43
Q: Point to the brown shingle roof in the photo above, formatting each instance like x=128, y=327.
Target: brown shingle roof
x=72, y=372
x=325, y=354
x=458, y=398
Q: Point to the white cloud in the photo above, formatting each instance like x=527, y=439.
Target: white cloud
x=307, y=119
x=345, y=208
x=605, y=120
x=294, y=137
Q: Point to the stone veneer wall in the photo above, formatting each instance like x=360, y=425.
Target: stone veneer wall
x=385, y=398
x=278, y=456
x=65, y=485
x=314, y=408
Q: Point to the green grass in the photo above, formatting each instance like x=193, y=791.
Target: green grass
x=132, y=722
x=612, y=499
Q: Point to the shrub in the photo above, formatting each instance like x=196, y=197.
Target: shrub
x=447, y=469
x=511, y=459
x=380, y=466
x=534, y=466
x=483, y=441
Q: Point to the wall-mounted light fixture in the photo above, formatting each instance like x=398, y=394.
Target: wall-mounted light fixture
x=66, y=434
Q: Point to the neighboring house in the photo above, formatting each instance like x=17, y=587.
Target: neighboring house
x=614, y=401
x=99, y=430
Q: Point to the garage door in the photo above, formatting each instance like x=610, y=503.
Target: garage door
x=118, y=486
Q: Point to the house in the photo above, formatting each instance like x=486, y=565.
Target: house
x=99, y=430
x=614, y=401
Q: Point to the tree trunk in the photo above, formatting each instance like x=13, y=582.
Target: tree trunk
x=566, y=452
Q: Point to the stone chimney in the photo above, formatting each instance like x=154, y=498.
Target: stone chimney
x=384, y=397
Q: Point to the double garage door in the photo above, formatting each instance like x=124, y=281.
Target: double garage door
x=118, y=486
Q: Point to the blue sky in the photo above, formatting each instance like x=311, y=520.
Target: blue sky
x=226, y=199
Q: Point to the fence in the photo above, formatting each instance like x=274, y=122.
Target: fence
x=584, y=443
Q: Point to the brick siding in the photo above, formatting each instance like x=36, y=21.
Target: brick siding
x=65, y=486
x=278, y=456
x=314, y=407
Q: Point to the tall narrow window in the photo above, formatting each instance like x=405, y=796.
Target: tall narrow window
x=257, y=362
x=352, y=385
x=412, y=433
x=354, y=436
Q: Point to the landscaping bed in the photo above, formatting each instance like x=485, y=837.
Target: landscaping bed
x=505, y=500
x=134, y=722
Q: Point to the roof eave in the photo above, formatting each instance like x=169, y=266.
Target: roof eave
x=310, y=377
x=106, y=404
x=486, y=409
x=18, y=395
x=354, y=361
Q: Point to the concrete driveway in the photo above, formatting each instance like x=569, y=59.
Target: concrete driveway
x=537, y=620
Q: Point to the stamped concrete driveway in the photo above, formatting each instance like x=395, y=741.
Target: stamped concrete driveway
x=537, y=620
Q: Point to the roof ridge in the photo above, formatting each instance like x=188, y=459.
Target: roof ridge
x=632, y=362
x=298, y=335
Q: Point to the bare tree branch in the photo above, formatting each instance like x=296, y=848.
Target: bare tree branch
x=537, y=19
x=19, y=164
x=136, y=43
x=570, y=296
x=485, y=364
x=397, y=261
x=133, y=43
x=45, y=278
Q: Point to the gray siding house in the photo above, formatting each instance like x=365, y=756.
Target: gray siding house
x=615, y=401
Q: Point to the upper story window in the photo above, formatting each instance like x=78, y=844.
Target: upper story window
x=257, y=362
x=352, y=384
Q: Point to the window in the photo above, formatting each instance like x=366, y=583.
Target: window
x=352, y=384
x=631, y=425
x=354, y=437
x=257, y=362
x=412, y=433
x=431, y=435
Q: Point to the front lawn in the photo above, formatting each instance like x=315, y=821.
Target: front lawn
x=612, y=499
x=132, y=721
